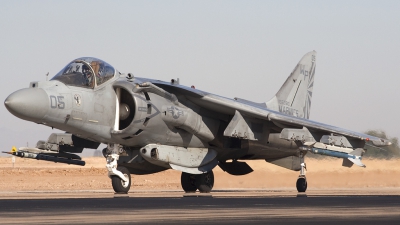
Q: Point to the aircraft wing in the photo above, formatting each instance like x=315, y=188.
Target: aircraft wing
x=225, y=105
x=230, y=106
x=312, y=125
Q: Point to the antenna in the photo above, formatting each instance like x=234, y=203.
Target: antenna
x=47, y=76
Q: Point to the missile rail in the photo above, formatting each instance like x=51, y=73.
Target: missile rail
x=51, y=157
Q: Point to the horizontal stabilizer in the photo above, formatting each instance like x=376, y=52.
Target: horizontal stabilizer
x=236, y=168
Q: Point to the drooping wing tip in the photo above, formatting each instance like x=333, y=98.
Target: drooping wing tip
x=381, y=142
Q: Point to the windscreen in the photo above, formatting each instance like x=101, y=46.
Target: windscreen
x=85, y=72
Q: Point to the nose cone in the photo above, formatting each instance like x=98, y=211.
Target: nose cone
x=28, y=104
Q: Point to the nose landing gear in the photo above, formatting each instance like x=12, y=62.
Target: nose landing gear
x=120, y=176
x=119, y=185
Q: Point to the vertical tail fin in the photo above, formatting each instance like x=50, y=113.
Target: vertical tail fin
x=294, y=97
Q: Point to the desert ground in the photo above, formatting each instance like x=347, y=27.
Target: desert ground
x=33, y=175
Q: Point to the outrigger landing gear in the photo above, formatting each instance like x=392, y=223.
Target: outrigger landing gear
x=120, y=176
x=301, y=183
x=203, y=182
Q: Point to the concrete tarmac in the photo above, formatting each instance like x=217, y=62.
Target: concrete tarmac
x=221, y=207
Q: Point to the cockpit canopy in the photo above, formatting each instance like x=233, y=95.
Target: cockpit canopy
x=85, y=72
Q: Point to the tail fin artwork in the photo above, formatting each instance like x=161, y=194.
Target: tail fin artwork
x=294, y=97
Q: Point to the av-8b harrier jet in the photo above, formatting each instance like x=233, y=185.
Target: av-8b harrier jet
x=151, y=125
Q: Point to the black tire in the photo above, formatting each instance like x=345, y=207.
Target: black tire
x=118, y=184
x=104, y=152
x=205, y=182
x=188, y=182
x=301, y=184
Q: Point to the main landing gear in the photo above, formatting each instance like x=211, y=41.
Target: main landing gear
x=202, y=182
x=301, y=183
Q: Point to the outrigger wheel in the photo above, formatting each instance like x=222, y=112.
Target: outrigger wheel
x=301, y=184
x=118, y=184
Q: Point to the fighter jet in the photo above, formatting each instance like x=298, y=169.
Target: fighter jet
x=150, y=125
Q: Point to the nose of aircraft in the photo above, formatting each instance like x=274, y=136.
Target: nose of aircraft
x=28, y=104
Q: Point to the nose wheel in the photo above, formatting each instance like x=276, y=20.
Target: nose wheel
x=119, y=185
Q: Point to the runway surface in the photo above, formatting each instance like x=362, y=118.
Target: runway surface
x=229, y=207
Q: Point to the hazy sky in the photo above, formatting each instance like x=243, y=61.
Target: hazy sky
x=240, y=49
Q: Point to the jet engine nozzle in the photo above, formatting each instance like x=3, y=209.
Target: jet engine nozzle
x=28, y=104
